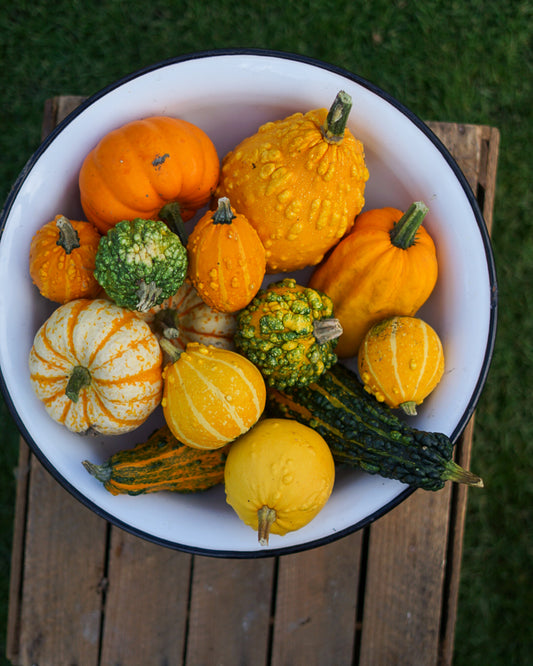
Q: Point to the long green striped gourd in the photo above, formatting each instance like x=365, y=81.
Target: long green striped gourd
x=160, y=463
x=366, y=434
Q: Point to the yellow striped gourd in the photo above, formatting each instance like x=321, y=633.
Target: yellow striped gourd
x=211, y=396
x=401, y=361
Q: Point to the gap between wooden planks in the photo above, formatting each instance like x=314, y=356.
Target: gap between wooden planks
x=85, y=592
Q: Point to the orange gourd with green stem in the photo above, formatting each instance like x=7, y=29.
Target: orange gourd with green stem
x=226, y=259
x=62, y=256
x=138, y=168
x=300, y=182
x=386, y=266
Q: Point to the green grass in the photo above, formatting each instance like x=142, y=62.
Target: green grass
x=447, y=60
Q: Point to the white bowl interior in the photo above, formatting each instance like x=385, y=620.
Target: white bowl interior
x=245, y=90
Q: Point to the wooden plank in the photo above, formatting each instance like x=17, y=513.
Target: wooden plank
x=230, y=611
x=146, y=602
x=64, y=558
x=316, y=604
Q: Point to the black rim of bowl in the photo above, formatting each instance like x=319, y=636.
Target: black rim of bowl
x=490, y=266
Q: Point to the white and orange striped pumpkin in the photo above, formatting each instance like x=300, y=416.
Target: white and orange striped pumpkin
x=401, y=361
x=211, y=396
x=96, y=367
x=185, y=318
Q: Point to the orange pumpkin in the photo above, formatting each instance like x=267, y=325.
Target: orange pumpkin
x=62, y=254
x=401, y=361
x=96, y=367
x=211, y=396
x=386, y=266
x=138, y=168
x=227, y=259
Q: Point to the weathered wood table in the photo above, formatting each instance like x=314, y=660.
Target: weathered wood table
x=85, y=592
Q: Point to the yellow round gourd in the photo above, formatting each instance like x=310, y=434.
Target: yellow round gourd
x=278, y=476
x=211, y=396
x=401, y=361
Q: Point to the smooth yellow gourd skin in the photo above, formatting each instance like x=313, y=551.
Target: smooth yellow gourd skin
x=211, y=396
x=300, y=192
x=283, y=465
x=401, y=361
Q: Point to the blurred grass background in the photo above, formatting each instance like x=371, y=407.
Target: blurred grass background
x=450, y=60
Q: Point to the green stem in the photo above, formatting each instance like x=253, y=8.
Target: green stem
x=170, y=350
x=223, y=213
x=266, y=517
x=68, y=236
x=79, y=379
x=333, y=129
x=171, y=216
x=454, y=472
x=403, y=234
x=100, y=472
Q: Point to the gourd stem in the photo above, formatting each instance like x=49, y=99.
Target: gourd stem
x=171, y=216
x=333, y=129
x=454, y=472
x=79, y=379
x=409, y=407
x=166, y=322
x=148, y=295
x=68, y=236
x=170, y=350
x=266, y=517
x=100, y=472
x=325, y=330
x=403, y=234
x=223, y=213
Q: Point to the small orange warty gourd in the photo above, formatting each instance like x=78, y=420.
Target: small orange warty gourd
x=401, y=361
x=96, y=367
x=62, y=254
x=278, y=476
x=185, y=318
x=211, y=396
x=386, y=266
x=145, y=164
x=300, y=182
x=227, y=260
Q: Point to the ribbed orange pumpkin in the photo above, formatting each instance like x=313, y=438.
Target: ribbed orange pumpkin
x=211, y=396
x=185, y=318
x=62, y=254
x=386, y=266
x=401, y=361
x=96, y=367
x=138, y=168
x=227, y=259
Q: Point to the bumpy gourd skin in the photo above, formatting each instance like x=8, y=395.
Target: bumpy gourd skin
x=140, y=263
x=277, y=331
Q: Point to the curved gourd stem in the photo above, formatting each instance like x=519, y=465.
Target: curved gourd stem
x=403, y=234
x=266, y=517
x=171, y=216
x=333, y=129
x=79, y=379
x=409, y=407
x=68, y=236
x=170, y=350
x=148, y=295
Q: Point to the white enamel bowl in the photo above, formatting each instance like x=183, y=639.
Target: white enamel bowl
x=229, y=94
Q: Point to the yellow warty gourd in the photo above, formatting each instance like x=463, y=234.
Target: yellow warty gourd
x=278, y=476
